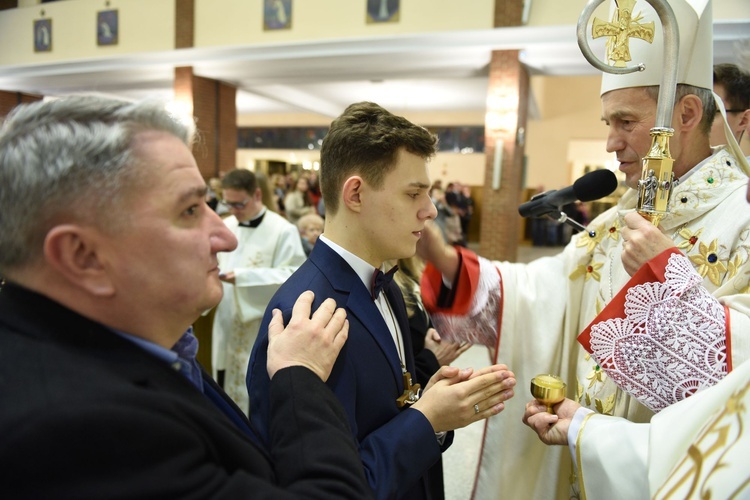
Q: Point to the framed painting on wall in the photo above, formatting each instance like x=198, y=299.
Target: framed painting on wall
x=107, y=28
x=382, y=11
x=277, y=14
x=43, y=35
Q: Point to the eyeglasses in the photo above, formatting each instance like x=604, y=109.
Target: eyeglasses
x=731, y=110
x=237, y=205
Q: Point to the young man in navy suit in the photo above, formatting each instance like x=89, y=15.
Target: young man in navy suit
x=108, y=249
x=375, y=187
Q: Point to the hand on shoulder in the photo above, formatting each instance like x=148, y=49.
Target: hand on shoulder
x=313, y=342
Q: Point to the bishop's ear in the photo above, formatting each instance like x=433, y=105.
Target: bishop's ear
x=689, y=112
x=75, y=253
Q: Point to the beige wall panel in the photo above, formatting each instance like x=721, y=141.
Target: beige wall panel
x=240, y=22
x=571, y=110
x=144, y=26
x=450, y=167
x=557, y=12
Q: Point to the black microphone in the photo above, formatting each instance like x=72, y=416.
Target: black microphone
x=592, y=186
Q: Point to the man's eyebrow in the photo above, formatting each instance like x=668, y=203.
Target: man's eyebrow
x=420, y=185
x=619, y=115
x=197, y=192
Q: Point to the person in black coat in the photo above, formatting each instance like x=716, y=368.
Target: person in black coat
x=108, y=251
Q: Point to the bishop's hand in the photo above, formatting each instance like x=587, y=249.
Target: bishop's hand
x=552, y=428
x=641, y=242
x=432, y=247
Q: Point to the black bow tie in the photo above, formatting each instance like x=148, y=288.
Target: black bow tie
x=380, y=280
x=253, y=223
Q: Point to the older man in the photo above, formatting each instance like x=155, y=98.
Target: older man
x=532, y=314
x=109, y=252
x=695, y=448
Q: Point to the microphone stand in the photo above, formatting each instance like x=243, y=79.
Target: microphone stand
x=562, y=217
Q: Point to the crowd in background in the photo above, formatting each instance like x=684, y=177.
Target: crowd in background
x=297, y=197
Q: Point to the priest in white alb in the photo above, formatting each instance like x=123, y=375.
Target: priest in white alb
x=269, y=250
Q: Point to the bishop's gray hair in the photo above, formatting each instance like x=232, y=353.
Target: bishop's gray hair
x=705, y=95
x=70, y=159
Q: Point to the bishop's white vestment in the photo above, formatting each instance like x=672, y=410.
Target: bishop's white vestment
x=264, y=258
x=530, y=316
x=696, y=448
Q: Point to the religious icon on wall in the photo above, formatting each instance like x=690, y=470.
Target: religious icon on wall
x=382, y=11
x=42, y=35
x=107, y=28
x=277, y=14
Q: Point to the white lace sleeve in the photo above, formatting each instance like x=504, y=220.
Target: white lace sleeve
x=672, y=341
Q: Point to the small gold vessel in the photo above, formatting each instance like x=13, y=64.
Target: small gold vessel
x=548, y=389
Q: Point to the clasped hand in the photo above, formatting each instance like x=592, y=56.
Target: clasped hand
x=452, y=396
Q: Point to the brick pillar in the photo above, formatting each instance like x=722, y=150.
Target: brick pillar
x=213, y=105
x=505, y=125
x=184, y=24
x=8, y=4
x=9, y=100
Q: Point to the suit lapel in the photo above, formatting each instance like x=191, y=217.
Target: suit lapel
x=359, y=303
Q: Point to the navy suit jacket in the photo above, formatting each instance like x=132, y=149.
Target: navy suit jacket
x=397, y=445
x=86, y=413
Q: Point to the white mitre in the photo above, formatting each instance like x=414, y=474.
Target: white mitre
x=695, y=24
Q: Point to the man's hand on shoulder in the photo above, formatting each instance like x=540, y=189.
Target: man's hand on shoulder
x=313, y=342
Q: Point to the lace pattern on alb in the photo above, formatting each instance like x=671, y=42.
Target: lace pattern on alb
x=479, y=326
x=671, y=342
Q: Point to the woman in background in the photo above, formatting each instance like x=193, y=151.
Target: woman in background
x=297, y=203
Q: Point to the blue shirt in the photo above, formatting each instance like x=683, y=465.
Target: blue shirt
x=181, y=357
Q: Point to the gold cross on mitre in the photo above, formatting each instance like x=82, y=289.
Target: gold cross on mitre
x=623, y=27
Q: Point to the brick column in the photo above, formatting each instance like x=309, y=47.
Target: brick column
x=213, y=105
x=211, y=102
x=505, y=125
x=9, y=100
x=8, y=4
x=184, y=25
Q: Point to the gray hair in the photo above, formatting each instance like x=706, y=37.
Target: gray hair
x=70, y=159
x=706, y=96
